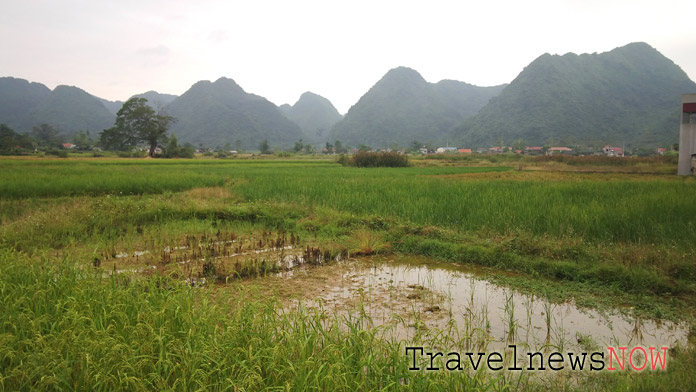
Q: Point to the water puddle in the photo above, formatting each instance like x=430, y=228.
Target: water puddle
x=415, y=301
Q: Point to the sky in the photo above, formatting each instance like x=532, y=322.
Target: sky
x=337, y=49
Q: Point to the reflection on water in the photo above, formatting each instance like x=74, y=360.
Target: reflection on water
x=416, y=300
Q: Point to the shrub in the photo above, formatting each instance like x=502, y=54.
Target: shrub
x=376, y=159
x=58, y=153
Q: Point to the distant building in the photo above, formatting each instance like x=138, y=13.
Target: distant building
x=534, y=150
x=612, y=151
x=464, y=151
x=68, y=146
x=661, y=151
x=559, y=150
x=445, y=150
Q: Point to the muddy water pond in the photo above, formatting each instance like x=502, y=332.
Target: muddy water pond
x=415, y=299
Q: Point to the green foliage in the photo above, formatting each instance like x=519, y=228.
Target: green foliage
x=83, y=140
x=46, y=136
x=377, y=159
x=137, y=122
x=70, y=109
x=173, y=150
x=63, y=327
x=264, y=147
x=18, y=98
x=603, y=160
x=628, y=95
x=13, y=143
x=66, y=325
x=315, y=115
x=57, y=153
x=403, y=107
x=338, y=147
x=222, y=112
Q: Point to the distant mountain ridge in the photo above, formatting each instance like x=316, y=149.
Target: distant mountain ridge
x=18, y=98
x=628, y=95
x=402, y=107
x=221, y=112
x=69, y=109
x=314, y=114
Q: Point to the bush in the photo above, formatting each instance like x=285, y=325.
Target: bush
x=131, y=154
x=58, y=153
x=375, y=159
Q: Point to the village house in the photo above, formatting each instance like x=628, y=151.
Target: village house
x=534, y=150
x=559, y=150
x=611, y=151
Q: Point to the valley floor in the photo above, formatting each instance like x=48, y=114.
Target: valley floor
x=247, y=274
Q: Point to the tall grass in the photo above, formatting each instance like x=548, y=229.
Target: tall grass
x=66, y=328
x=617, y=211
x=644, y=211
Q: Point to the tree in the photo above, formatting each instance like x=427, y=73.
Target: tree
x=265, y=147
x=298, y=146
x=12, y=142
x=136, y=123
x=519, y=144
x=173, y=150
x=157, y=133
x=82, y=140
x=416, y=146
x=47, y=136
x=338, y=147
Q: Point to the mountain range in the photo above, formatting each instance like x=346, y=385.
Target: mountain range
x=402, y=107
x=631, y=94
x=221, y=112
x=628, y=95
x=314, y=114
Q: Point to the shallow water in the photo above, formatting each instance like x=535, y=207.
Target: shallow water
x=420, y=298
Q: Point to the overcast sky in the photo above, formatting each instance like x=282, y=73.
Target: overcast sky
x=337, y=49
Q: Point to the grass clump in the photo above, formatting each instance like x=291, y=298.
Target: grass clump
x=375, y=159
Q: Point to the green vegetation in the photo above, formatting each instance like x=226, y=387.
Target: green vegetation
x=628, y=95
x=67, y=323
x=314, y=114
x=18, y=99
x=137, y=123
x=66, y=328
x=402, y=107
x=12, y=143
x=221, y=112
x=375, y=159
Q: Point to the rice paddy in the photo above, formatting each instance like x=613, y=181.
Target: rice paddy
x=303, y=274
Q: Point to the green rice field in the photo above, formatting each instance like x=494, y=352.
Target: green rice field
x=94, y=296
